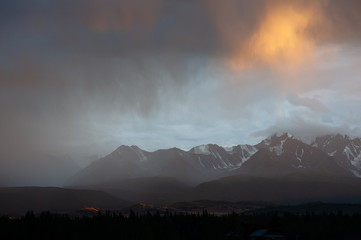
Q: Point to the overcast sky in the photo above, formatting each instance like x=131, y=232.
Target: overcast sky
x=85, y=76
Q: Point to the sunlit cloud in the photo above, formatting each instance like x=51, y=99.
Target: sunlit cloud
x=280, y=37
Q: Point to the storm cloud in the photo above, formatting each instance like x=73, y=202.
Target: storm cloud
x=81, y=77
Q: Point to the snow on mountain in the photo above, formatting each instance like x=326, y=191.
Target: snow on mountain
x=283, y=154
x=243, y=153
x=212, y=156
x=275, y=143
x=346, y=150
x=202, y=149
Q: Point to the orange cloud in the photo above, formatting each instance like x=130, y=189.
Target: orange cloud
x=282, y=36
x=279, y=34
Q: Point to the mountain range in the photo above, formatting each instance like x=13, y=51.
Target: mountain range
x=277, y=155
x=280, y=169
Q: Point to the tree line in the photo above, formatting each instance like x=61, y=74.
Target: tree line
x=169, y=226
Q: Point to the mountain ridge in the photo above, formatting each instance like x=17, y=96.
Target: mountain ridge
x=278, y=154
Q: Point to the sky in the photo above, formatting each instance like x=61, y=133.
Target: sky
x=82, y=77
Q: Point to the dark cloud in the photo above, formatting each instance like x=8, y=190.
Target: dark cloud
x=123, y=28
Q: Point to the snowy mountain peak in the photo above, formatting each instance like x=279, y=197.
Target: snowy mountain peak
x=207, y=149
x=277, y=137
x=214, y=157
x=275, y=143
x=201, y=149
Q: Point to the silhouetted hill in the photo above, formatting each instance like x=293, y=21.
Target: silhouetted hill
x=19, y=200
x=199, y=206
x=316, y=208
x=294, y=188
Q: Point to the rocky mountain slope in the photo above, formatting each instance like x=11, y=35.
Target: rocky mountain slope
x=283, y=154
x=344, y=149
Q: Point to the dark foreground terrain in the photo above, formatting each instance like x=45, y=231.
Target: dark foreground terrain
x=57, y=213
x=181, y=226
x=16, y=201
